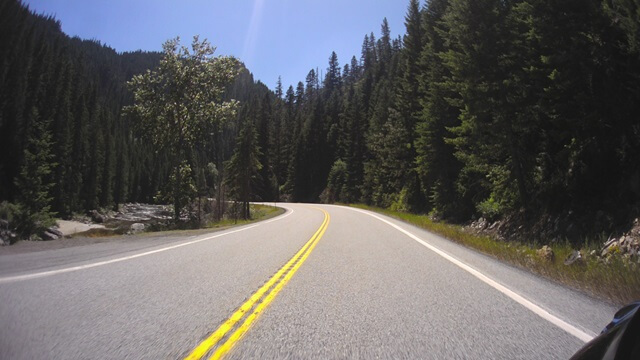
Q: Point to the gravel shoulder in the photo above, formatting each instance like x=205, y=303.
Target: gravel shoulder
x=26, y=246
x=75, y=233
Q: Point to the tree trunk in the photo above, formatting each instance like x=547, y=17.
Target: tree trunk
x=176, y=194
x=199, y=210
x=518, y=170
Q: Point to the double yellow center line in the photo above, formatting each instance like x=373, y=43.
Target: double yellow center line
x=249, y=311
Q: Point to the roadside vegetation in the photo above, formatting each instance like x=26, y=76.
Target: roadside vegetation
x=613, y=278
x=258, y=213
x=231, y=217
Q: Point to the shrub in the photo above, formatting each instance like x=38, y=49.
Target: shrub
x=9, y=212
x=490, y=209
x=400, y=201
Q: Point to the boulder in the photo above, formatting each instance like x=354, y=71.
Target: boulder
x=7, y=237
x=609, y=242
x=574, y=258
x=611, y=246
x=546, y=253
x=97, y=217
x=47, y=235
x=55, y=231
x=136, y=228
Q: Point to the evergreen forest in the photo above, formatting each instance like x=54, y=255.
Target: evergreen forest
x=521, y=110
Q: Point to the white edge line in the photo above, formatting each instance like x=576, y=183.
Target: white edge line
x=503, y=289
x=9, y=279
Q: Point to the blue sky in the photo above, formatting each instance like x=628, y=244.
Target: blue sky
x=272, y=37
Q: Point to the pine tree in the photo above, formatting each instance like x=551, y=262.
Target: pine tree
x=336, y=181
x=64, y=80
x=586, y=67
x=278, y=91
x=439, y=169
x=108, y=170
x=353, y=147
x=356, y=70
x=264, y=120
x=33, y=182
x=280, y=139
x=333, y=79
x=407, y=100
x=386, y=172
x=384, y=43
x=244, y=167
x=365, y=54
x=409, y=89
x=77, y=174
x=491, y=138
x=122, y=175
x=311, y=87
x=626, y=15
x=62, y=133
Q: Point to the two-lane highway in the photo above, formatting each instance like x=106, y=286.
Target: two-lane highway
x=317, y=282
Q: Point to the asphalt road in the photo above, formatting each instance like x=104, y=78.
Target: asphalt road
x=363, y=287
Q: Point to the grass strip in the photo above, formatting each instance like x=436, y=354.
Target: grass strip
x=616, y=280
x=258, y=213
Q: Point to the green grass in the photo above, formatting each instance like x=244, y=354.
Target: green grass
x=258, y=213
x=616, y=281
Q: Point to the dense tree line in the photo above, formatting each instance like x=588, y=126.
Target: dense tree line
x=524, y=109
x=64, y=145
x=485, y=108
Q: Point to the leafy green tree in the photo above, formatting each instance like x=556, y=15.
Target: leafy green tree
x=185, y=180
x=176, y=103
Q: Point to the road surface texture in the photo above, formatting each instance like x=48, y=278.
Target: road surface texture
x=339, y=283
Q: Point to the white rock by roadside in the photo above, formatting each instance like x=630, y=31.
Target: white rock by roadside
x=67, y=227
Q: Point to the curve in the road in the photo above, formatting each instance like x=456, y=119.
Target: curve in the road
x=275, y=285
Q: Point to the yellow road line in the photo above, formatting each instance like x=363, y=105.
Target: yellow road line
x=287, y=271
x=237, y=335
